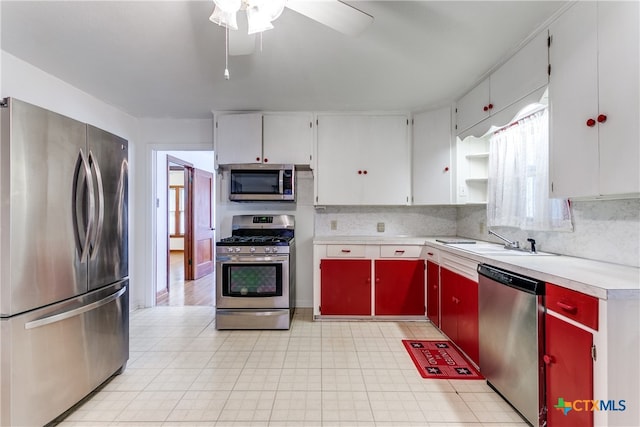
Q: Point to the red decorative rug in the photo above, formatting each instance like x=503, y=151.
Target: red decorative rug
x=440, y=359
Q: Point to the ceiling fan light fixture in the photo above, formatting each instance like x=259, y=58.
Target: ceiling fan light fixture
x=228, y=6
x=224, y=19
x=258, y=20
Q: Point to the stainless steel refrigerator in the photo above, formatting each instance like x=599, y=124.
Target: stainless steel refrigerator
x=64, y=310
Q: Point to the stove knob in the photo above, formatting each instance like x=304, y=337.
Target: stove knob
x=252, y=249
x=274, y=250
x=229, y=249
x=267, y=249
x=237, y=250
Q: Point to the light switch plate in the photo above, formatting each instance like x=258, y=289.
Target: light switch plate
x=381, y=227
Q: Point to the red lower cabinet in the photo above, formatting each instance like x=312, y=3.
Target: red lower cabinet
x=569, y=374
x=399, y=287
x=459, y=311
x=433, y=293
x=346, y=287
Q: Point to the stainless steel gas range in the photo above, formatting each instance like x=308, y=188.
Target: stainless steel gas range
x=255, y=278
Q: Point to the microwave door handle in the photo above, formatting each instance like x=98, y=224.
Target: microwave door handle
x=281, y=182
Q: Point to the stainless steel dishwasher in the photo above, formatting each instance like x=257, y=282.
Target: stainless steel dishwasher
x=511, y=320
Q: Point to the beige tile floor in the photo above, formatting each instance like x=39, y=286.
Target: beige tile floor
x=183, y=372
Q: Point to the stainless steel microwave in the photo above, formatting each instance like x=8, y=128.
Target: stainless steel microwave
x=259, y=182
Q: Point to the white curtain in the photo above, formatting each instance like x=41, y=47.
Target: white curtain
x=518, y=187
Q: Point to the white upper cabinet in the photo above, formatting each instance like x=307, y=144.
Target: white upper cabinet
x=524, y=73
x=277, y=138
x=238, y=138
x=431, y=158
x=594, y=92
x=287, y=138
x=362, y=160
x=474, y=107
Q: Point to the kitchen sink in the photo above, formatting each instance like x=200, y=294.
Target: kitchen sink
x=496, y=250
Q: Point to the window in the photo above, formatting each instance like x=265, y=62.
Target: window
x=518, y=186
x=176, y=210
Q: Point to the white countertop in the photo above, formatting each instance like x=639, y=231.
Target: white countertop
x=600, y=279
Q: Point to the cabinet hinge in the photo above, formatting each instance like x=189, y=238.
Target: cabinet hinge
x=593, y=352
x=319, y=309
x=407, y=122
x=316, y=122
x=456, y=110
x=552, y=187
x=216, y=125
x=549, y=70
x=412, y=122
x=189, y=261
x=549, y=41
x=311, y=125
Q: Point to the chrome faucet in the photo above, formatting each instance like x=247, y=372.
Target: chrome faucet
x=508, y=243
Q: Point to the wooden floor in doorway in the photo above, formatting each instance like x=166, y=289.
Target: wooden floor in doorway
x=190, y=292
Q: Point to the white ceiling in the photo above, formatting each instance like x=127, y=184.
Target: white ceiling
x=166, y=59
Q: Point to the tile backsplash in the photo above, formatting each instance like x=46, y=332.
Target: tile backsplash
x=396, y=221
x=604, y=230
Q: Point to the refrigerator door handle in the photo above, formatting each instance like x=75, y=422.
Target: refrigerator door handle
x=97, y=235
x=75, y=312
x=82, y=233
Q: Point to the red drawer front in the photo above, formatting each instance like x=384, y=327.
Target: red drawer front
x=574, y=305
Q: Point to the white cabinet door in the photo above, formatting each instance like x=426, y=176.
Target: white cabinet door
x=362, y=160
x=338, y=161
x=522, y=74
x=287, y=138
x=385, y=150
x=618, y=77
x=431, y=157
x=573, y=98
x=593, y=92
x=474, y=107
x=238, y=138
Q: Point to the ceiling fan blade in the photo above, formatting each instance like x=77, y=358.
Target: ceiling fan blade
x=334, y=14
x=241, y=43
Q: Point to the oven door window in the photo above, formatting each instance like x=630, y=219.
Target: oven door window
x=252, y=280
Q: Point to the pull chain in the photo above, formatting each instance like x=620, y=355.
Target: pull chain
x=226, y=53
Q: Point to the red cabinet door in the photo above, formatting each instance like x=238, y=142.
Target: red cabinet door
x=569, y=373
x=345, y=287
x=433, y=293
x=448, y=304
x=399, y=287
x=468, y=329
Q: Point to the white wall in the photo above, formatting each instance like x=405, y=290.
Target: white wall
x=28, y=83
x=199, y=159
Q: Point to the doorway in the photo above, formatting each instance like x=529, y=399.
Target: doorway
x=187, y=218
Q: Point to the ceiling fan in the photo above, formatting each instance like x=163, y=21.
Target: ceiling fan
x=334, y=14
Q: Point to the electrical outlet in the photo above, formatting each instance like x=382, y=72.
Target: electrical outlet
x=462, y=191
x=334, y=224
x=380, y=227
x=481, y=228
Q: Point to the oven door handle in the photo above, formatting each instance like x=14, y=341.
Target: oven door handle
x=253, y=259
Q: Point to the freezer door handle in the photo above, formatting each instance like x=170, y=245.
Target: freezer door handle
x=82, y=233
x=95, y=240
x=75, y=312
